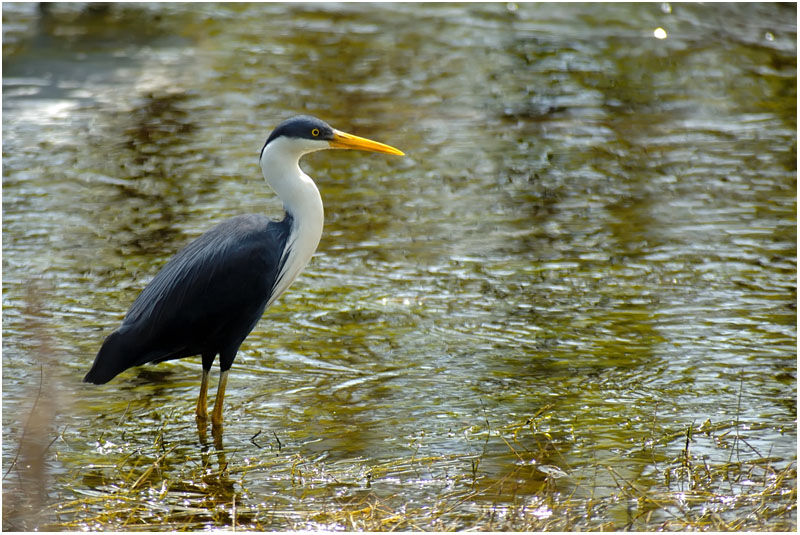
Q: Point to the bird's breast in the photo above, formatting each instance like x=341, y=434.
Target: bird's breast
x=300, y=247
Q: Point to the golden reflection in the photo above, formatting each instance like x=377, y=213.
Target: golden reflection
x=216, y=433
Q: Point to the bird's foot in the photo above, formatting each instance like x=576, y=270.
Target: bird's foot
x=202, y=422
x=216, y=433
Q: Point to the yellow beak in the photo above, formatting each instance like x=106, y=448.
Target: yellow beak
x=341, y=140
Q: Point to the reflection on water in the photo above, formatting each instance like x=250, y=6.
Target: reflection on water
x=594, y=232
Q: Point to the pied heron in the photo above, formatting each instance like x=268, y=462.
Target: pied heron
x=210, y=295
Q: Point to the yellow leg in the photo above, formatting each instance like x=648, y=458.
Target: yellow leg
x=216, y=416
x=202, y=406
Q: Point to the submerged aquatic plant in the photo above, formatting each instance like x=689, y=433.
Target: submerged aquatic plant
x=518, y=479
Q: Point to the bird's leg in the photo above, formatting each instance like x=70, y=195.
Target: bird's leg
x=202, y=406
x=216, y=416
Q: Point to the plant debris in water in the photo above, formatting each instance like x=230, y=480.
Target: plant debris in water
x=274, y=486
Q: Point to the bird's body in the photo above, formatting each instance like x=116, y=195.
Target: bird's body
x=209, y=296
x=189, y=310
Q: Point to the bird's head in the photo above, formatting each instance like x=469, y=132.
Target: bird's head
x=304, y=134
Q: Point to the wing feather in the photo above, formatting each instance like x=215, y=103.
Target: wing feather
x=217, y=285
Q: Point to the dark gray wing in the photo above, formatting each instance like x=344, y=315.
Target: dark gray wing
x=206, y=299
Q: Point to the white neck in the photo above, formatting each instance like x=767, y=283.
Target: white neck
x=280, y=164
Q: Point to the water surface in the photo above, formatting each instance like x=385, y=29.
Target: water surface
x=591, y=244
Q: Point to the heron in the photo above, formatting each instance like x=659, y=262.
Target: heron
x=208, y=298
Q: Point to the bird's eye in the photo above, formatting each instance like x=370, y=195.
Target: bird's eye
x=315, y=132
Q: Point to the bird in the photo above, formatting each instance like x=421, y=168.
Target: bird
x=208, y=297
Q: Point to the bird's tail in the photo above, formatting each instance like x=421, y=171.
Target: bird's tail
x=113, y=358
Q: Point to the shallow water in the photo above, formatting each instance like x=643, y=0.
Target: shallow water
x=593, y=238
